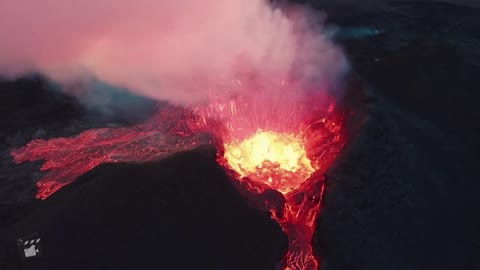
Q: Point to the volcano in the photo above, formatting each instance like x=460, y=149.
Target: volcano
x=240, y=182
x=265, y=142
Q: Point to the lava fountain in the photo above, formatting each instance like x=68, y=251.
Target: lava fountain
x=275, y=145
x=283, y=143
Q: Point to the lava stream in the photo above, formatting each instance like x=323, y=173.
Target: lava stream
x=280, y=161
x=270, y=142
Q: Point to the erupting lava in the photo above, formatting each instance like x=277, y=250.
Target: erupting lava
x=286, y=145
x=278, y=160
x=282, y=142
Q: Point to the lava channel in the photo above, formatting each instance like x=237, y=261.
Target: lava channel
x=268, y=142
x=288, y=149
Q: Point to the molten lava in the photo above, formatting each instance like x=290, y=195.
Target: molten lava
x=286, y=148
x=278, y=160
x=280, y=142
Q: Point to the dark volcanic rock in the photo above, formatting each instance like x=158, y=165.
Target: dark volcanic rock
x=32, y=108
x=402, y=198
x=406, y=193
x=29, y=101
x=177, y=213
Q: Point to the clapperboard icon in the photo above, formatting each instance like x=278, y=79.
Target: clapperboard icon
x=30, y=246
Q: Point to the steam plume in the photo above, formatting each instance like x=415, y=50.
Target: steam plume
x=167, y=50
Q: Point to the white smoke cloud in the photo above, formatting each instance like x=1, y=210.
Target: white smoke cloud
x=167, y=50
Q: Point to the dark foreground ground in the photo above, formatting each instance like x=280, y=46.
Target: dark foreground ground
x=179, y=213
x=404, y=195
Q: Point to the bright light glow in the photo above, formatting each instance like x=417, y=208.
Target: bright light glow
x=276, y=159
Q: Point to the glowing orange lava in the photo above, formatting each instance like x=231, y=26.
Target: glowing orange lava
x=283, y=142
x=276, y=159
x=287, y=162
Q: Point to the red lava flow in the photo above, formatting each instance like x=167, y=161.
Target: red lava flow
x=284, y=141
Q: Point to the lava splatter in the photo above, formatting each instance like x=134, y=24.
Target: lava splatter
x=282, y=140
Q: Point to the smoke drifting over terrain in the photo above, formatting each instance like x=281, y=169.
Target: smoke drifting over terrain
x=167, y=50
